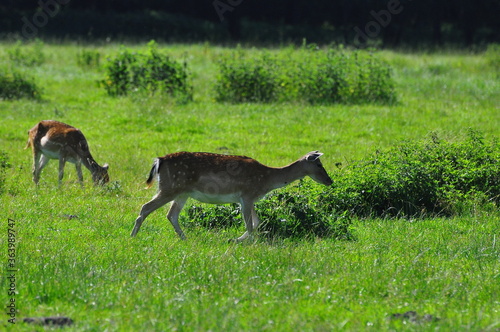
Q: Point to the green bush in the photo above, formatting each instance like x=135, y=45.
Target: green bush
x=120, y=77
x=346, y=77
x=149, y=73
x=372, y=81
x=323, y=79
x=16, y=85
x=434, y=177
x=215, y=216
x=27, y=55
x=316, y=77
x=290, y=214
x=247, y=80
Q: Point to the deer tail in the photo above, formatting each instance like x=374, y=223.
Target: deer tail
x=28, y=144
x=155, y=170
x=31, y=135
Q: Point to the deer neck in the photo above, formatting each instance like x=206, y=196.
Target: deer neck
x=282, y=176
x=89, y=163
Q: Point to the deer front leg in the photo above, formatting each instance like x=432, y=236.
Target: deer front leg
x=78, y=166
x=157, y=202
x=173, y=215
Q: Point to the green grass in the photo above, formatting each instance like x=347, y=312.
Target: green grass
x=89, y=269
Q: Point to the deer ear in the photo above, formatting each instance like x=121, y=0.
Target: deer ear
x=312, y=156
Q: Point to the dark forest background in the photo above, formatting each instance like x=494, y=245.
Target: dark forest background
x=384, y=23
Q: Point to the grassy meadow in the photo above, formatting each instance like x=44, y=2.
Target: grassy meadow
x=73, y=251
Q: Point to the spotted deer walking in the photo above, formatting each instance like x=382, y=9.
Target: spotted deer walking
x=218, y=179
x=56, y=140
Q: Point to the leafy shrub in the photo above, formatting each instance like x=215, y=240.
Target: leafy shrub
x=323, y=80
x=4, y=164
x=334, y=76
x=127, y=72
x=120, y=75
x=150, y=72
x=434, y=177
x=15, y=85
x=215, y=216
x=284, y=214
x=88, y=59
x=247, y=80
x=373, y=81
x=288, y=214
x=27, y=55
x=347, y=77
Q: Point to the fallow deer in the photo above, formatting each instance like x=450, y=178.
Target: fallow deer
x=218, y=179
x=56, y=140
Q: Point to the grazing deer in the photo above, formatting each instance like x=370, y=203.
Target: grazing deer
x=217, y=179
x=56, y=140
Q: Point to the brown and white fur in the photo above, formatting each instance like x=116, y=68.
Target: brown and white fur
x=56, y=140
x=217, y=179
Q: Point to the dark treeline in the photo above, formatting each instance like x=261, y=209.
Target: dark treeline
x=387, y=23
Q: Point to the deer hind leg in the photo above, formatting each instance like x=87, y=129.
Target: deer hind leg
x=157, y=202
x=36, y=166
x=62, y=162
x=248, y=213
x=173, y=215
x=39, y=162
x=255, y=218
